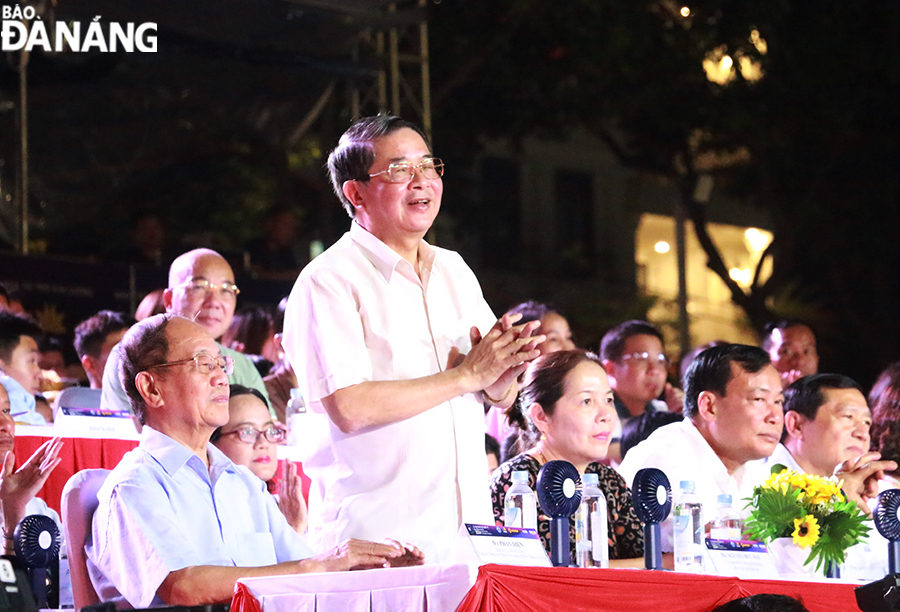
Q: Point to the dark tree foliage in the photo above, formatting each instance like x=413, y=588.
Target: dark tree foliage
x=814, y=142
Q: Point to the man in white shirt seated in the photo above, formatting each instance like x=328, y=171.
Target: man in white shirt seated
x=826, y=432
x=826, y=422
x=733, y=420
x=178, y=523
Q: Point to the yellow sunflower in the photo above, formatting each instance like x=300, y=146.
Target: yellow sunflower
x=806, y=531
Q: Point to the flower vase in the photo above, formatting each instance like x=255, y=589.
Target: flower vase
x=789, y=560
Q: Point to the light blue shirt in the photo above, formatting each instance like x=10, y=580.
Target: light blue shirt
x=21, y=402
x=161, y=510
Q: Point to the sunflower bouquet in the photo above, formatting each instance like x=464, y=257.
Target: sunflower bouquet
x=811, y=510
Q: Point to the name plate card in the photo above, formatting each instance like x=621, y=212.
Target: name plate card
x=740, y=558
x=506, y=545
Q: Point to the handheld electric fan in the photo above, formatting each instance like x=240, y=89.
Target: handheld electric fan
x=559, y=492
x=652, y=502
x=887, y=522
x=36, y=541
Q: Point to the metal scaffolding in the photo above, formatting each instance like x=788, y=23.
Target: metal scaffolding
x=402, y=84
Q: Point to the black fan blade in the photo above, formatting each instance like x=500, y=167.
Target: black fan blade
x=559, y=489
x=652, y=495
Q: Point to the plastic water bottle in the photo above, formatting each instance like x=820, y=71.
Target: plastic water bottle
x=520, y=505
x=727, y=524
x=591, y=537
x=293, y=414
x=688, y=530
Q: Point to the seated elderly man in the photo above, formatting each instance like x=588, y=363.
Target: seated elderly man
x=826, y=422
x=733, y=418
x=826, y=432
x=178, y=523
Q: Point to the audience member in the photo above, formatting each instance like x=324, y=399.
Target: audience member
x=60, y=368
x=153, y=303
x=19, y=487
x=251, y=332
x=201, y=288
x=688, y=359
x=555, y=328
x=278, y=254
x=492, y=452
x=569, y=415
x=791, y=346
x=884, y=398
x=4, y=298
x=249, y=438
x=826, y=423
x=632, y=354
x=95, y=338
x=826, y=432
x=281, y=378
x=733, y=418
x=167, y=530
x=378, y=328
x=149, y=241
x=19, y=361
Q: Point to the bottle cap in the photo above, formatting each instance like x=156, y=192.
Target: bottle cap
x=520, y=477
x=687, y=486
x=590, y=480
x=724, y=499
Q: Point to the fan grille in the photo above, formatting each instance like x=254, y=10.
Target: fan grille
x=645, y=490
x=886, y=520
x=37, y=540
x=557, y=499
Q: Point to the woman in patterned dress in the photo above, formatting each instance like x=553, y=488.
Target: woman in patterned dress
x=565, y=411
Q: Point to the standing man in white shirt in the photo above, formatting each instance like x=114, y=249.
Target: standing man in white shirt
x=733, y=420
x=392, y=341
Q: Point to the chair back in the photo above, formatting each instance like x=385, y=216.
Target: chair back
x=79, y=501
x=79, y=398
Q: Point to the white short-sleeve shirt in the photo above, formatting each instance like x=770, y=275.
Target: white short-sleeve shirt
x=359, y=312
x=681, y=452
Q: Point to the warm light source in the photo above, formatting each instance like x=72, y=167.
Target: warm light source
x=718, y=65
x=685, y=11
x=757, y=240
x=661, y=247
x=741, y=277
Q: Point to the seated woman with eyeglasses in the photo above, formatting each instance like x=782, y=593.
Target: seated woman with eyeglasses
x=566, y=412
x=250, y=438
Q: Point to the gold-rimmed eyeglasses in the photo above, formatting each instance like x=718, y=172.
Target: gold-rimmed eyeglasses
x=403, y=171
x=205, y=363
x=225, y=290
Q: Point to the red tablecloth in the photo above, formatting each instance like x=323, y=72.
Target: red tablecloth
x=76, y=454
x=501, y=588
